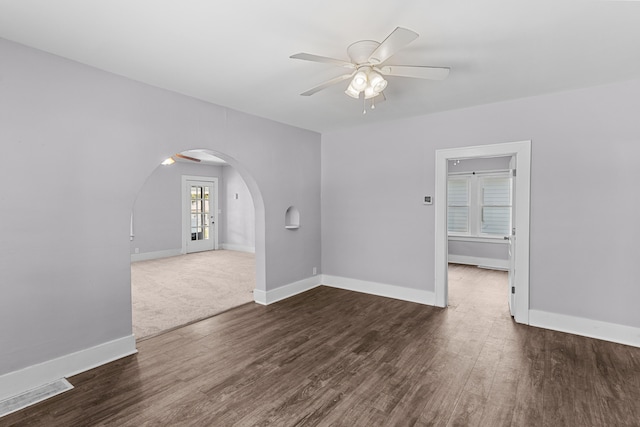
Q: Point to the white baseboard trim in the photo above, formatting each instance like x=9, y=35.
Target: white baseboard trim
x=499, y=264
x=155, y=255
x=613, y=332
x=239, y=248
x=380, y=289
x=31, y=377
x=286, y=291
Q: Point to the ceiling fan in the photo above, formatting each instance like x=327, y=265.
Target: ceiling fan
x=171, y=160
x=368, y=66
x=195, y=155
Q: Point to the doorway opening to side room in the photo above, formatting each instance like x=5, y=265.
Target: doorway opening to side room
x=479, y=227
x=516, y=290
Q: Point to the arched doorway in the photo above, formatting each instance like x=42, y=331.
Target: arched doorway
x=169, y=288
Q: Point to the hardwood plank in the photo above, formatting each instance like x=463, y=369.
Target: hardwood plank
x=529, y=407
x=468, y=410
x=333, y=357
x=558, y=390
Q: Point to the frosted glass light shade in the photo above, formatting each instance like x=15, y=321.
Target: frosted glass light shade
x=377, y=82
x=352, y=92
x=359, y=81
x=369, y=93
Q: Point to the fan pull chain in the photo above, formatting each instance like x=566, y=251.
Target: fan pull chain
x=364, y=106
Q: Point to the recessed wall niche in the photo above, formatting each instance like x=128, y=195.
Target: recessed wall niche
x=292, y=218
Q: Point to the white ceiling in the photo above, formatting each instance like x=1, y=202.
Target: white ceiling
x=236, y=53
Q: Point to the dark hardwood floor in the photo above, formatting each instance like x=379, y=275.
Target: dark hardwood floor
x=333, y=357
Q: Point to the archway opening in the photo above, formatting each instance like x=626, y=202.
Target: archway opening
x=197, y=197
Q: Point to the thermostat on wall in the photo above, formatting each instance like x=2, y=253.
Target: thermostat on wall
x=428, y=200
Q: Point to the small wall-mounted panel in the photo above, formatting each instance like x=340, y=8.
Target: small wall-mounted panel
x=292, y=218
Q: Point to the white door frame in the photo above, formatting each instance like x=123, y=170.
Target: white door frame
x=186, y=220
x=521, y=151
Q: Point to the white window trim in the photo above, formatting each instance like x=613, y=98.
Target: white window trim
x=484, y=239
x=475, y=204
x=486, y=172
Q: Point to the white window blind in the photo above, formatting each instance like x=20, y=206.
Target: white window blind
x=495, y=205
x=458, y=205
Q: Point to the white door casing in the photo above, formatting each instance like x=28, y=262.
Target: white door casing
x=521, y=152
x=511, y=283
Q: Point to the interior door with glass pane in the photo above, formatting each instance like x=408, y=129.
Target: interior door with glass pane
x=201, y=216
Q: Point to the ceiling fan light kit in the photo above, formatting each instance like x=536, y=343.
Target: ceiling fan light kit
x=367, y=58
x=369, y=82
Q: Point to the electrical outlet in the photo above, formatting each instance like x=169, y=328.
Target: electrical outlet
x=315, y=271
x=137, y=250
x=428, y=200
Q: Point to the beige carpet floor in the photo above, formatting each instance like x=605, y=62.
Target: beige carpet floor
x=171, y=292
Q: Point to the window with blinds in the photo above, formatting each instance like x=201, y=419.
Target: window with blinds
x=479, y=205
x=458, y=205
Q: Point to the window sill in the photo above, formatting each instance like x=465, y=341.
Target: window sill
x=476, y=239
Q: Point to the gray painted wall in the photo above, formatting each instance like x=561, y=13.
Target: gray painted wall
x=496, y=250
x=484, y=164
x=584, y=196
x=239, y=229
x=82, y=144
x=157, y=211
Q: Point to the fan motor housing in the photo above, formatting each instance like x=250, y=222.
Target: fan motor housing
x=360, y=51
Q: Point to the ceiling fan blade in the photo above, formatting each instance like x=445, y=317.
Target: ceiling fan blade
x=323, y=59
x=415, y=71
x=399, y=38
x=182, y=156
x=327, y=84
